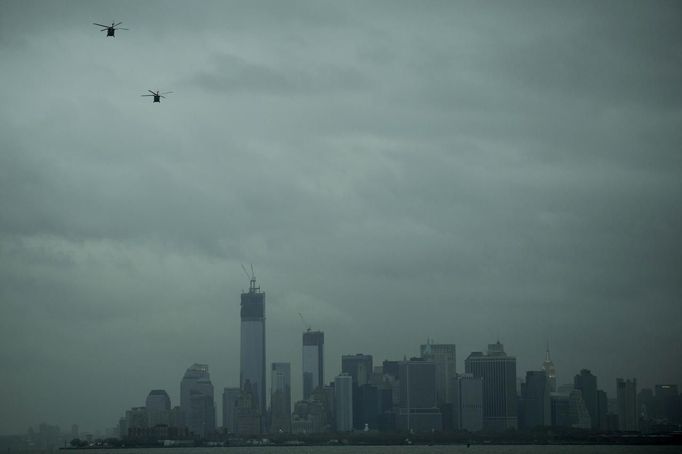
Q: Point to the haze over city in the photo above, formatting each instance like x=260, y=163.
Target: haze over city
x=394, y=171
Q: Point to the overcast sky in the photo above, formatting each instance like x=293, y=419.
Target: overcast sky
x=394, y=171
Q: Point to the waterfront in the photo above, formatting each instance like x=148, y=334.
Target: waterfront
x=455, y=449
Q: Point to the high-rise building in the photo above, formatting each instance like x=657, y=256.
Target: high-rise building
x=252, y=355
x=550, y=371
x=358, y=366
x=560, y=408
x=667, y=403
x=579, y=415
x=468, y=403
x=417, y=410
x=313, y=361
x=248, y=415
x=498, y=371
x=158, y=407
x=310, y=416
x=196, y=400
x=626, y=396
x=343, y=390
x=280, y=398
x=602, y=410
x=444, y=356
x=230, y=400
x=586, y=383
x=535, y=401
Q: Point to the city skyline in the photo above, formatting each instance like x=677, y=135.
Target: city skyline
x=281, y=380
x=457, y=171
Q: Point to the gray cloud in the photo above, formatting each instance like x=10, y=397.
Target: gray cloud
x=236, y=75
x=394, y=171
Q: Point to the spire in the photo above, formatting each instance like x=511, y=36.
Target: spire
x=548, y=367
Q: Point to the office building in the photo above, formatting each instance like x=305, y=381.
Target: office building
x=158, y=407
x=230, y=400
x=498, y=371
x=560, y=409
x=535, y=408
x=579, y=415
x=626, y=396
x=444, y=356
x=468, y=403
x=313, y=362
x=252, y=355
x=196, y=400
x=586, y=383
x=343, y=392
x=248, y=414
x=417, y=410
x=602, y=411
x=358, y=366
x=280, y=398
x=370, y=406
x=667, y=403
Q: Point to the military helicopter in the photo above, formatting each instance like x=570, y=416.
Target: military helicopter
x=111, y=29
x=157, y=95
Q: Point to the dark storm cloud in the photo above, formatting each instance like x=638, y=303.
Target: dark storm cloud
x=455, y=170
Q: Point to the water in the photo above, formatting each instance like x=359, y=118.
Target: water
x=458, y=449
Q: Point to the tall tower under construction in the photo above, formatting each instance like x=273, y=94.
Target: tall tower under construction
x=252, y=354
x=313, y=361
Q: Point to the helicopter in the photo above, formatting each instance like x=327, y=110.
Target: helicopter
x=157, y=95
x=111, y=29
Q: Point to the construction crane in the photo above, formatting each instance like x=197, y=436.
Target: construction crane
x=307, y=327
x=252, y=279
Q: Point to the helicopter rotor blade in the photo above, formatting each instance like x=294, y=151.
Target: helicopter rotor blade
x=152, y=93
x=167, y=92
x=147, y=95
x=116, y=25
x=121, y=29
x=106, y=26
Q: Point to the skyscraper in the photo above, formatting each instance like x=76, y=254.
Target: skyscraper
x=667, y=403
x=343, y=390
x=418, y=411
x=535, y=400
x=548, y=367
x=586, y=383
x=444, y=356
x=358, y=366
x=626, y=396
x=469, y=403
x=360, y=369
x=313, y=361
x=280, y=398
x=498, y=371
x=158, y=407
x=196, y=400
x=578, y=414
x=230, y=399
x=252, y=355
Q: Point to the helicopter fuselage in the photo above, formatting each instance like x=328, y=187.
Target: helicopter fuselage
x=157, y=98
x=110, y=31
